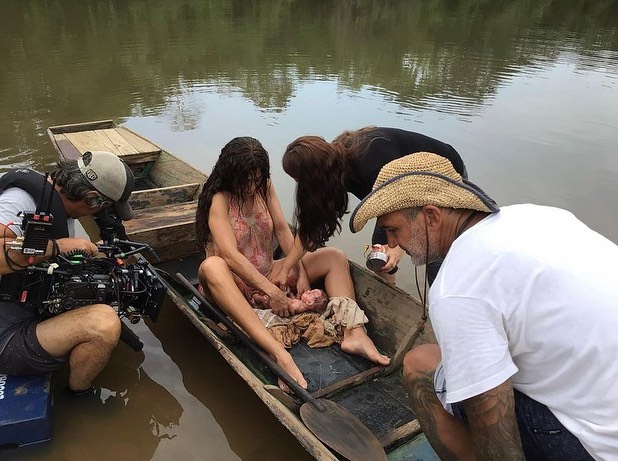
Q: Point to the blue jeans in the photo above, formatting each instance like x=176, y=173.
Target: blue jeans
x=543, y=437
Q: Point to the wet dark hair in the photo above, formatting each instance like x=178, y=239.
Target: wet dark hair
x=319, y=169
x=239, y=158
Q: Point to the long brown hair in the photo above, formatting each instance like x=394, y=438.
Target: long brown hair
x=321, y=196
x=239, y=158
x=356, y=142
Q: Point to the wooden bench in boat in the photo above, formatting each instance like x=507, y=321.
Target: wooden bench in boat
x=71, y=141
x=166, y=187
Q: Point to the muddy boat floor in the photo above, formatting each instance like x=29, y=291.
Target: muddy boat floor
x=380, y=403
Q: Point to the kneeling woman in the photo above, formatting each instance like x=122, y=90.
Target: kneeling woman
x=238, y=219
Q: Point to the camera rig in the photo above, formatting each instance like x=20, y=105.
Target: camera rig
x=72, y=280
x=76, y=279
x=121, y=277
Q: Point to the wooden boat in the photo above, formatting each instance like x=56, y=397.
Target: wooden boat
x=375, y=395
x=167, y=187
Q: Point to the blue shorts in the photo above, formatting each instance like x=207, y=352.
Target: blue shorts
x=24, y=355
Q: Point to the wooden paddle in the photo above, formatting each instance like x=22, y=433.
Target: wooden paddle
x=334, y=425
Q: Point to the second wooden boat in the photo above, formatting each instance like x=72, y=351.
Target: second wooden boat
x=167, y=188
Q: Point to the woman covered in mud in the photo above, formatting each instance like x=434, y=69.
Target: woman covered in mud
x=239, y=220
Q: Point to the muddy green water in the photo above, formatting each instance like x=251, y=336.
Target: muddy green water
x=526, y=91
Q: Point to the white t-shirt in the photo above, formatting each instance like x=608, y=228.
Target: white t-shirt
x=15, y=200
x=531, y=294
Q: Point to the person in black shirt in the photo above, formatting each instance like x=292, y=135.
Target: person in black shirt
x=325, y=173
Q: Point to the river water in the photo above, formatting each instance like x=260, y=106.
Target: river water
x=526, y=91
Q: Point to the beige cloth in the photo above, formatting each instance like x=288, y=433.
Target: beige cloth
x=344, y=312
x=318, y=330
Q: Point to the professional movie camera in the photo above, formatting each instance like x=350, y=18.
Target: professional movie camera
x=121, y=277
x=76, y=279
x=73, y=280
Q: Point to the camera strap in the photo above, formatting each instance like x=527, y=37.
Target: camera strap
x=30, y=181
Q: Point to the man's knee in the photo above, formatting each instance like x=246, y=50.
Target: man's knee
x=420, y=360
x=102, y=322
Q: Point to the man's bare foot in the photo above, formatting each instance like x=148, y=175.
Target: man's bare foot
x=285, y=361
x=355, y=341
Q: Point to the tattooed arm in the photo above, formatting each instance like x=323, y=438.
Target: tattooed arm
x=448, y=436
x=493, y=426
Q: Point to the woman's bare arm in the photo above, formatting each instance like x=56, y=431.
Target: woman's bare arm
x=291, y=245
x=223, y=236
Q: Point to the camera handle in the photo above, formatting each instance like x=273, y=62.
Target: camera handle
x=130, y=338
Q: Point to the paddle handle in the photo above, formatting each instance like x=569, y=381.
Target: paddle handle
x=280, y=372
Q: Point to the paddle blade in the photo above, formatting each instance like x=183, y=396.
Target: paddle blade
x=342, y=431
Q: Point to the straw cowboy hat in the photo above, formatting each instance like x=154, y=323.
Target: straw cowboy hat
x=417, y=180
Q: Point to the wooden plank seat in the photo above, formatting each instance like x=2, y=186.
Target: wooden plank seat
x=150, y=198
x=71, y=141
x=170, y=229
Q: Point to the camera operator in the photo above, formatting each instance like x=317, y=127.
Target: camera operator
x=83, y=337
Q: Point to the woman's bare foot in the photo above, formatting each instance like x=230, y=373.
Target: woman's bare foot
x=285, y=361
x=355, y=341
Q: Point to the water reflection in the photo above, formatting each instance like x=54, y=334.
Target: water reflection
x=526, y=91
x=449, y=56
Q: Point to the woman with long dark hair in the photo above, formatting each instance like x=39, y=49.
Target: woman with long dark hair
x=239, y=217
x=326, y=171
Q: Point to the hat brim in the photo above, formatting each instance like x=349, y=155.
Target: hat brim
x=418, y=189
x=123, y=210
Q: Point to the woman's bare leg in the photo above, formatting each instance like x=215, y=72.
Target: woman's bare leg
x=215, y=274
x=332, y=264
